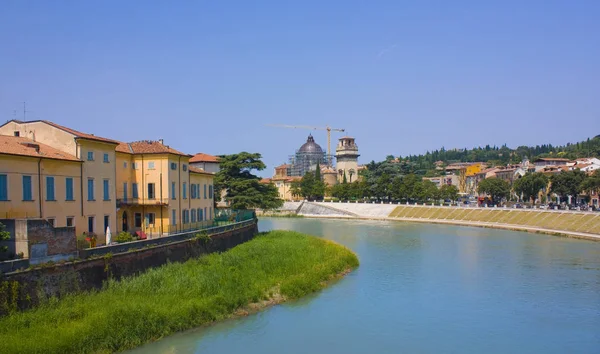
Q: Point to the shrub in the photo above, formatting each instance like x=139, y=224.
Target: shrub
x=123, y=236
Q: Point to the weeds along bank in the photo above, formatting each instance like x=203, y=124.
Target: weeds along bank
x=271, y=268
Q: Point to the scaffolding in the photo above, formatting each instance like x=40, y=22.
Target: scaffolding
x=302, y=162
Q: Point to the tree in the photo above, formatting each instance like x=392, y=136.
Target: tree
x=428, y=190
x=312, y=187
x=496, y=188
x=591, y=183
x=567, y=183
x=530, y=185
x=243, y=189
x=449, y=192
x=4, y=235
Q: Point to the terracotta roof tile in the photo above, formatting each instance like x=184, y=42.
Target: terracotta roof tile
x=200, y=157
x=12, y=145
x=79, y=134
x=147, y=147
x=199, y=170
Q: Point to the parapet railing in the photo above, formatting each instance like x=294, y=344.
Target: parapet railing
x=133, y=245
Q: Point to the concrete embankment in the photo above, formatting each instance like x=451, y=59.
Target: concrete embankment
x=568, y=223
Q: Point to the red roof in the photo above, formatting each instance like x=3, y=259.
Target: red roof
x=147, y=147
x=199, y=170
x=200, y=157
x=21, y=146
x=77, y=133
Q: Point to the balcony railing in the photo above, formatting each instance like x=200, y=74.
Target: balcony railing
x=143, y=201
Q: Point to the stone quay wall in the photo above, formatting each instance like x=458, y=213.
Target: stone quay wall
x=25, y=289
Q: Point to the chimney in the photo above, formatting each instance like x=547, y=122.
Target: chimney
x=161, y=141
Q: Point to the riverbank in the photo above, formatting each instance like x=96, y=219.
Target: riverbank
x=272, y=268
x=585, y=225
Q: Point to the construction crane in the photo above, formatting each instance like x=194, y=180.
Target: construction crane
x=328, y=128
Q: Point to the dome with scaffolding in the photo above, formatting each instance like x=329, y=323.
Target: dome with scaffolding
x=307, y=157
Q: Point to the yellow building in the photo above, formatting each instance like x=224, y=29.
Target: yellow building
x=97, y=183
x=97, y=169
x=38, y=181
x=158, y=192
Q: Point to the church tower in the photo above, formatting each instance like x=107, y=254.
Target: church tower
x=346, y=154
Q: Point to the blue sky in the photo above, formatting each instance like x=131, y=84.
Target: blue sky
x=401, y=77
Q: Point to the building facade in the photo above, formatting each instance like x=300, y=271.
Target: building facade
x=346, y=155
x=76, y=179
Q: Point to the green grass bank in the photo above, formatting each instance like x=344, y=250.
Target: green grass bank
x=269, y=269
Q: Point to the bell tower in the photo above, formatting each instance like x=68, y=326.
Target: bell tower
x=346, y=154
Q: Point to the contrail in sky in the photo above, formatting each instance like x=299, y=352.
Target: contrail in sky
x=386, y=50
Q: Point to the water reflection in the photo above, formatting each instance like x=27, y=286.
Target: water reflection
x=427, y=288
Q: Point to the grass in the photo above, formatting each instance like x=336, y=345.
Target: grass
x=271, y=268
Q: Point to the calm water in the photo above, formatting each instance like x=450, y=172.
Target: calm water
x=427, y=289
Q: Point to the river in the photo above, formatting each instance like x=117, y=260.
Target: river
x=426, y=289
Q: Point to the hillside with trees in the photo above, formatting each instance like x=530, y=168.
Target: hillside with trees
x=424, y=164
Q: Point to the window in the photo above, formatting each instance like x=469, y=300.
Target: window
x=210, y=210
x=124, y=164
x=51, y=221
x=193, y=191
x=105, y=159
x=90, y=156
x=151, y=191
x=173, y=189
x=125, y=190
x=210, y=192
x=193, y=215
x=150, y=165
x=205, y=191
x=137, y=219
x=27, y=192
x=106, y=222
x=150, y=219
x=134, y=190
x=3, y=187
x=184, y=190
x=174, y=217
x=16, y=133
x=184, y=217
x=198, y=191
x=69, y=221
x=91, y=189
x=200, y=215
x=173, y=166
x=50, y=188
x=206, y=214
x=69, y=188
x=106, y=194
x=184, y=167
x=90, y=224
x=134, y=165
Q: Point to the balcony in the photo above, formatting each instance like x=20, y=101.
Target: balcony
x=143, y=201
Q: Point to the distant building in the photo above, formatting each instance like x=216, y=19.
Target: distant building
x=545, y=162
x=205, y=162
x=347, y=155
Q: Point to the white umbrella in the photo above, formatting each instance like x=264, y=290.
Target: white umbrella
x=108, y=235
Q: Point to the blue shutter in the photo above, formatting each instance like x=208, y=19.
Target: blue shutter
x=69, y=188
x=210, y=191
x=134, y=190
x=174, y=217
x=193, y=215
x=173, y=196
x=184, y=190
x=205, y=191
x=27, y=195
x=125, y=190
x=200, y=216
x=105, y=189
x=90, y=189
x=3, y=187
x=49, y=188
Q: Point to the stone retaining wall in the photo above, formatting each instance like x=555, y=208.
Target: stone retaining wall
x=35, y=285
